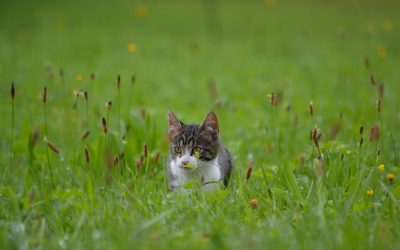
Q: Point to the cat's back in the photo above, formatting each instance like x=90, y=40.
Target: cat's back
x=225, y=163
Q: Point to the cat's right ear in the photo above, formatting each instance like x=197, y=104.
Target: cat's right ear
x=174, y=125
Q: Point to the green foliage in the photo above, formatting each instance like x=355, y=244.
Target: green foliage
x=228, y=56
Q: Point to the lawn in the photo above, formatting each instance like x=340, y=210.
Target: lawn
x=307, y=100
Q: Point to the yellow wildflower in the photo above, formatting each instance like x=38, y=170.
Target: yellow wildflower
x=390, y=177
x=370, y=192
x=382, y=52
x=132, y=47
x=387, y=25
x=381, y=167
x=141, y=10
x=79, y=77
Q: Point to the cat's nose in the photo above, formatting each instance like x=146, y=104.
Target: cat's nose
x=184, y=163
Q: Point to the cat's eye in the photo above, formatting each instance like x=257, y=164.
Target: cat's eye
x=177, y=150
x=196, y=152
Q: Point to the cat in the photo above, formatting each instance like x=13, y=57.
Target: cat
x=196, y=153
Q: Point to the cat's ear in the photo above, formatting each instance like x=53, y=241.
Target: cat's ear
x=174, y=125
x=210, y=123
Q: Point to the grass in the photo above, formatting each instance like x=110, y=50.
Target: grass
x=302, y=192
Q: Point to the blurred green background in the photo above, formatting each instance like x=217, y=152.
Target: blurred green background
x=192, y=57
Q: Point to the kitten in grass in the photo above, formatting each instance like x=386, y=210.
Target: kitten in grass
x=196, y=153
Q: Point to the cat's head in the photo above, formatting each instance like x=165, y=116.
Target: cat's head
x=191, y=145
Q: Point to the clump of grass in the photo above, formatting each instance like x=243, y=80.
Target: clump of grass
x=44, y=99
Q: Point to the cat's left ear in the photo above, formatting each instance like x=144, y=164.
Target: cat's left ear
x=174, y=125
x=210, y=123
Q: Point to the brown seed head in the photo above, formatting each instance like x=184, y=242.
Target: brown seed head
x=52, y=147
x=86, y=95
x=133, y=79
x=85, y=135
x=12, y=91
x=361, y=130
x=381, y=90
x=87, y=157
x=374, y=133
x=45, y=95
x=138, y=163
x=254, y=204
x=272, y=99
x=145, y=150
x=366, y=62
x=311, y=108
x=378, y=105
x=116, y=160
x=33, y=139
x=118, y=81
x=288, y=108
x=104, y=122
x=249, y=170
x=109, y=104
x=372, y=79
x=156, y=157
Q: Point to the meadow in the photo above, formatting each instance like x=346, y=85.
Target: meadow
x=307, y=99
